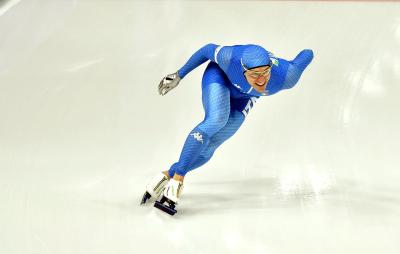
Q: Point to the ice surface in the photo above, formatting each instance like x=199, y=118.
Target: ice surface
x=314, y=169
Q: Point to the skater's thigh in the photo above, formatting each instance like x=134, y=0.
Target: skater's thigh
x=215, y=93
x=240, y=108
x=236, y=119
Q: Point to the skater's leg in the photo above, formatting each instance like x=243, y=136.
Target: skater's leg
x=216, y=103
x=240, y=108
x=236, y=119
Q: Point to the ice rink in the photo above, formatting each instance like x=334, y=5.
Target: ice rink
x=314, y=169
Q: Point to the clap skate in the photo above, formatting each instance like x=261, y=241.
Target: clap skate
x=171, y=197
x=155, y=187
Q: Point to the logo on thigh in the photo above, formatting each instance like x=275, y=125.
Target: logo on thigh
x=197, y=136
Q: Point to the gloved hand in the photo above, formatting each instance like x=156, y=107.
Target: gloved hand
x=168, y=83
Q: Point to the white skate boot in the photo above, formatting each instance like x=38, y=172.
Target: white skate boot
x=155, y=187
x=171, y=196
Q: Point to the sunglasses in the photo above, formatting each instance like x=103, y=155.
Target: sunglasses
x=256, y=74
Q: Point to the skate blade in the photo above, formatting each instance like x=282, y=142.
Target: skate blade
x=164, y=208
x=146, y=196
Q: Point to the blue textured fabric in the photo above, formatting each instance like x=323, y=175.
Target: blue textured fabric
x=199, y=57
x=296, y=68
x=227, y=96
x=234, y=59
x=223, y=117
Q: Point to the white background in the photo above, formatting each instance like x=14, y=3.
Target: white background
x=314, y=169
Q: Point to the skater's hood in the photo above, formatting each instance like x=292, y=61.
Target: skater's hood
x=248, y=57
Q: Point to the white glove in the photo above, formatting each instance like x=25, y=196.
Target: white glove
x=168, y=83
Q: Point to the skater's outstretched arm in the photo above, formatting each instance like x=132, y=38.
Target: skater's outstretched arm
x=286, y=73
x=171, y=81
x=199, y=57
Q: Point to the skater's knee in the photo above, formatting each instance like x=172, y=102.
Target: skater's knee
x=220, y=120
x=213, y=123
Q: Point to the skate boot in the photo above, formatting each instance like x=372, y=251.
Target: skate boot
x=169, y=200
x=155, y=187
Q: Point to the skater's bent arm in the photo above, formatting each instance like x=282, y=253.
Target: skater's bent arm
x=202, y=55
x=296, y=68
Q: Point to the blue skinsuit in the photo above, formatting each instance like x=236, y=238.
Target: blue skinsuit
x=227, y=96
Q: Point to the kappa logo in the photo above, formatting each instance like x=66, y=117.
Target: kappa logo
x=197, y=136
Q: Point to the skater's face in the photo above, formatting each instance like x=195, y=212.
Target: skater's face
x=258, y=77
